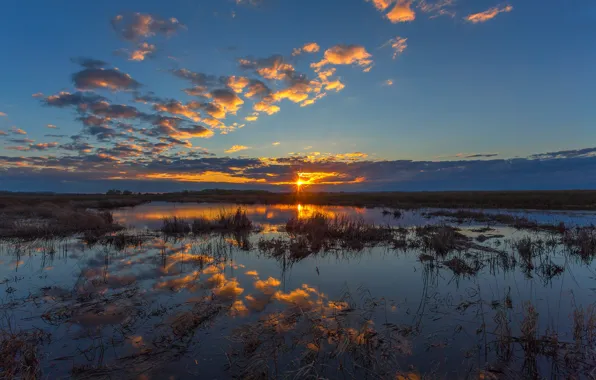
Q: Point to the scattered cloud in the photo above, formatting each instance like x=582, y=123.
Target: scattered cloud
x=142, y=51
x=437, y=8
x=487, y=15
x=275, y=143
x=388, y=82
x=345, y=55
x=2, y=114
x=51, y=126
x=3, y=133
x=311, y=47
x=400, y=12
x=398, y=44
x=97, y=78
x=236, y=148
x=274, y=67
x=138, y=25
x=17, y=131
x=89, y=63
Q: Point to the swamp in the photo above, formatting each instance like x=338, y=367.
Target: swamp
x=255, y=291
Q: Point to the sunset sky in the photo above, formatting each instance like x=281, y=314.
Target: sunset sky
x=343, y=95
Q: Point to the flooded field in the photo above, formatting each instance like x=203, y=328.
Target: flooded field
x=414, y=296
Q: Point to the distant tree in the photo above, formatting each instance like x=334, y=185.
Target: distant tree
x=127, y=192
x=114, y=192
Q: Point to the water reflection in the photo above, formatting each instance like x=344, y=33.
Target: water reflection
x=216, y=306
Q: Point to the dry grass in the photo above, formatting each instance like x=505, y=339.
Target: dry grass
x=226, y=222
x=175, y=225
x=349, y=232
x=581, y=241
x=49, y=220
x=440, y=239
x=19, y=357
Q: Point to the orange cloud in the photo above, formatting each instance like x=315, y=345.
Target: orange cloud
x=381, y=5
x=488, y=14
x=236, y=148
x=266, y=107
x=175, y=107
x=311, y=47
x=52, y=126
x=2, y=114
x=208, y=176
x=227, y=100
x=17, y=131
x=143, y=50
x=275, y=143
x=237, y=83
x=388, y=82
x=345, y=55
x=398, y=44
x=402, y=12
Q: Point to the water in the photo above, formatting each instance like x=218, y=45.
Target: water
x=216, y=306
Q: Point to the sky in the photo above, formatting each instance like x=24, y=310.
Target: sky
x=355, y=95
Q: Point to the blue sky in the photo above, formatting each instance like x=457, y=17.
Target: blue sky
x=474, y=80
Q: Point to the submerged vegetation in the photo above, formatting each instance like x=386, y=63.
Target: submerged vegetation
x=48, y=220
x=450, y=301
x=226, y=221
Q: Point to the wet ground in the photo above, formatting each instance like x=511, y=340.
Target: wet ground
x=216, y=306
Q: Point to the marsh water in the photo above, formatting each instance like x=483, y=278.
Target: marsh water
x=216, y=306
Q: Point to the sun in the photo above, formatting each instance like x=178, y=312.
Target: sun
x=299, y=183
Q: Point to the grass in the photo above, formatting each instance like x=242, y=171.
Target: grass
x=440, y=239
x=521, y=223
x=542, y=200
x=19, y=357
x=350, y=232
x=581, y=241
x=225, y=222
x=52, y=220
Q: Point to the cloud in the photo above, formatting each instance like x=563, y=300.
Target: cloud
x=89, y=63
x=226, y=99
x=138, y=25
x=2, y=114
x=199, y=79
x=142, y=51
x=66, y=99
x=51, y=126
x=345, y=55
x=266, y=107
x=437, y=8
x=388, y=82
x=398, y=44
x=275, y=143
x=2, y=133
x=310, y=47
x=381, y=5
x=237, y=83
x=17, y=131
x=175, y=107
x=565, y=154
x=21, y=141
x=489, y=14
x=236, y=148
x=97, y=78
x=273, y=67
x=43, y=146
x=401, y=12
